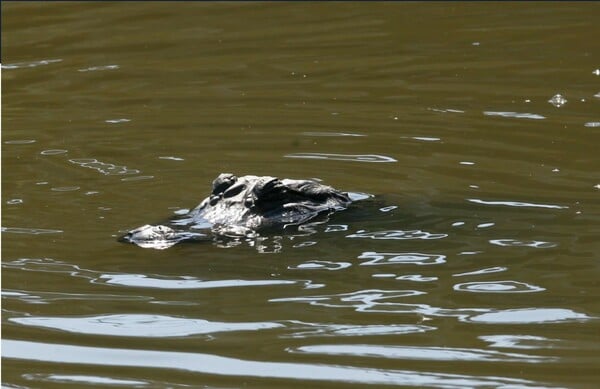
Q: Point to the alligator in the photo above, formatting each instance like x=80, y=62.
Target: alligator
x=244, y=206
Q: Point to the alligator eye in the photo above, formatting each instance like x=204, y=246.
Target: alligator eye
x=221, y=183
x=213, y=200
x=234, y=191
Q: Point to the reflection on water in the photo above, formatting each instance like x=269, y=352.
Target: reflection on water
x=515, y=242
x=139, y=325
x=83, y=379
x=497, y=286
x=144, y=281
x=212, y=364
x=343, y=157
x=32, y=64
x=103, y=167
x=53, y=152
x=528, y=316
x=527, y=342
x=321, y=265
x=421, y=353
x=19, y=141
x=48, y=265
x=44, y=297
x=388, y=301
x=401, y=258
x=517, y=115
x=517, y=204
x=98, y=68
x=304, y=330
x=316, y=133
x=468, y=132
x=397, y=234
x=494, y=269
x=32, y=231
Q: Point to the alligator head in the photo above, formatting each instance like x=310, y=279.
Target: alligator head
x=240, y=206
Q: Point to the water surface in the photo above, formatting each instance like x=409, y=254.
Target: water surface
x=474, y=125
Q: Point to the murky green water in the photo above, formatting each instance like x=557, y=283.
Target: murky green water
x=475, y=265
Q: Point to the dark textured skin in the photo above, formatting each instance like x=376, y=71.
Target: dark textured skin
x=240, y=206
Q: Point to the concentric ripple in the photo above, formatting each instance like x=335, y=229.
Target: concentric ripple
x=397, y=234
x=401, y=258
x=497, y=287
x=523, y=243
x=321, y=265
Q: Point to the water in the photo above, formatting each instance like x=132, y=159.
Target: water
x=475, y=264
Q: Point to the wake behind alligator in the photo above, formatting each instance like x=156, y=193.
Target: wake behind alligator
x=243, y=206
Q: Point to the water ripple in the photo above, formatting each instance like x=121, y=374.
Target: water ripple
x=526, y=342
x=40, y=264
x=31, y=64
x=316, y=133
x=361, y=300
x=426, y=138
x=445, y=110
x=19, y=141
x=416, y=278
x=53, y=152
x=117, y=121
x=225, y=366
x=383, y=275
x=517, y=115
x=517, y=204
x=523, y=243
x=487, y=270
x=144, y=281
x=397, y=234
x=336, y=227
x=528, y=316
x=321, y=265
x=47, y=297
x=47, y=265
x=389, y=301
x=65, y=188
x=32, y=231
x=137, y=178
x=84, y=379
x=497, y=287
x=401, y=258
x=334, y=330
x=307, y=243
x=139, y=325
x=98, y=68
x=343, y=157
x=103, y=167
x=172, y=158
x=422, y=353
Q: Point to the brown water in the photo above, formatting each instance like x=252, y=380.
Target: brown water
x=475, y=264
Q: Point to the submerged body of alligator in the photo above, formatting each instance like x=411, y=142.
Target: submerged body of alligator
x=242, y=206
